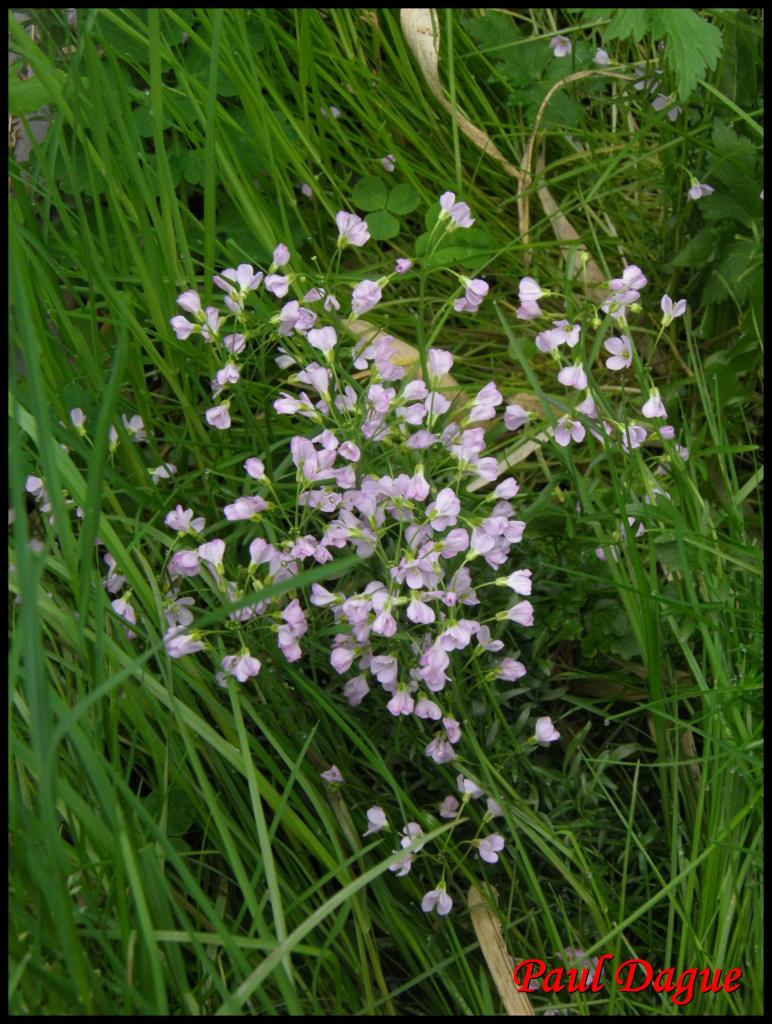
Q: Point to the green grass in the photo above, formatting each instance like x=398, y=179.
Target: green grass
x=172, y=847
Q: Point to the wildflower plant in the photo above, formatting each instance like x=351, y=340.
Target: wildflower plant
x=390, y=462
x=379, y=466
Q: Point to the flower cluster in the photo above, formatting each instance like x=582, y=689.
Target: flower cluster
x=588, y=408
x=380, y=464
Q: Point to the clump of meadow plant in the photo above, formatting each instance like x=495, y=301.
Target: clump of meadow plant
x=380, y=466
x=381, y=461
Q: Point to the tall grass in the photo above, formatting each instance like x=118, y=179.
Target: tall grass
x=172, y=847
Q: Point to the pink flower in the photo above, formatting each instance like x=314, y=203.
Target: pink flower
x=515, y=416
x=568, y=430
x=348, y=450
x=522, y=613
x=229, y=374
x=366, y=295
x=561, y=46
x=277, y=285
x=333, y=774
x=601, y=58
x=511, y=670
x=243, y=276
x=402, y=867
x=587, y=407
x=561, y=332
x=468, y=788
x=420, y=612
x=403, y=265
x=294, y=317
x=453, y=729
x=633, y=437
x=219, y=417
x=306, y=189
x=440, y=363
x=243, y=666
x=520, y=582
x=355, y=690
x=698, y=191
x=476, y=290
x=281, y=255
x=426, y=708
x=529, y=290
x=135, y=428
x=211, y=326
x=78, y=418
x=484, y=640
x=528, y=311
x=184, y=563
x=437, y=898
x=235, y=343
x=494, y=809
x=323, y=338
x=545, y=731
x=352, y=229
x=114, y=581
x=632, y=278
x=213, y=552
x=342, y=658
x=377, y=820
x=449, y=807
x=177, y=610
x=508, y=488
x=654, y=407
x=182, y=520
x=177, y=646
x=245, y=508
x=661, y=101
x=621, y=350
x=490, y=847
x=190, y=302
x=444, y=510
x=671, y=311
x=484, y=404
x=440, y=750
x=459, y=213
x=126, y=611
x=295, y=618
x=401, y=703
x=573, y=377
x=255, y=468
x=410, y=833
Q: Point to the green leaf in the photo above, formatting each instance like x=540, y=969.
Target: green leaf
x=382, y=225
x=369, y=194
x=524, y=64
x=492, y=30
x=627, y=23
x=469, y=247
x=735, y=274
x=737, y=77
x=563, y=110
x=692, y=45
x=143, y=118
x=180, y=811
x=698, y=250
x=193, y=167
x=403, y=199
x=29, y=95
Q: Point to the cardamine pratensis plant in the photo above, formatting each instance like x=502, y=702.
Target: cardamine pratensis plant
x=381, y=466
